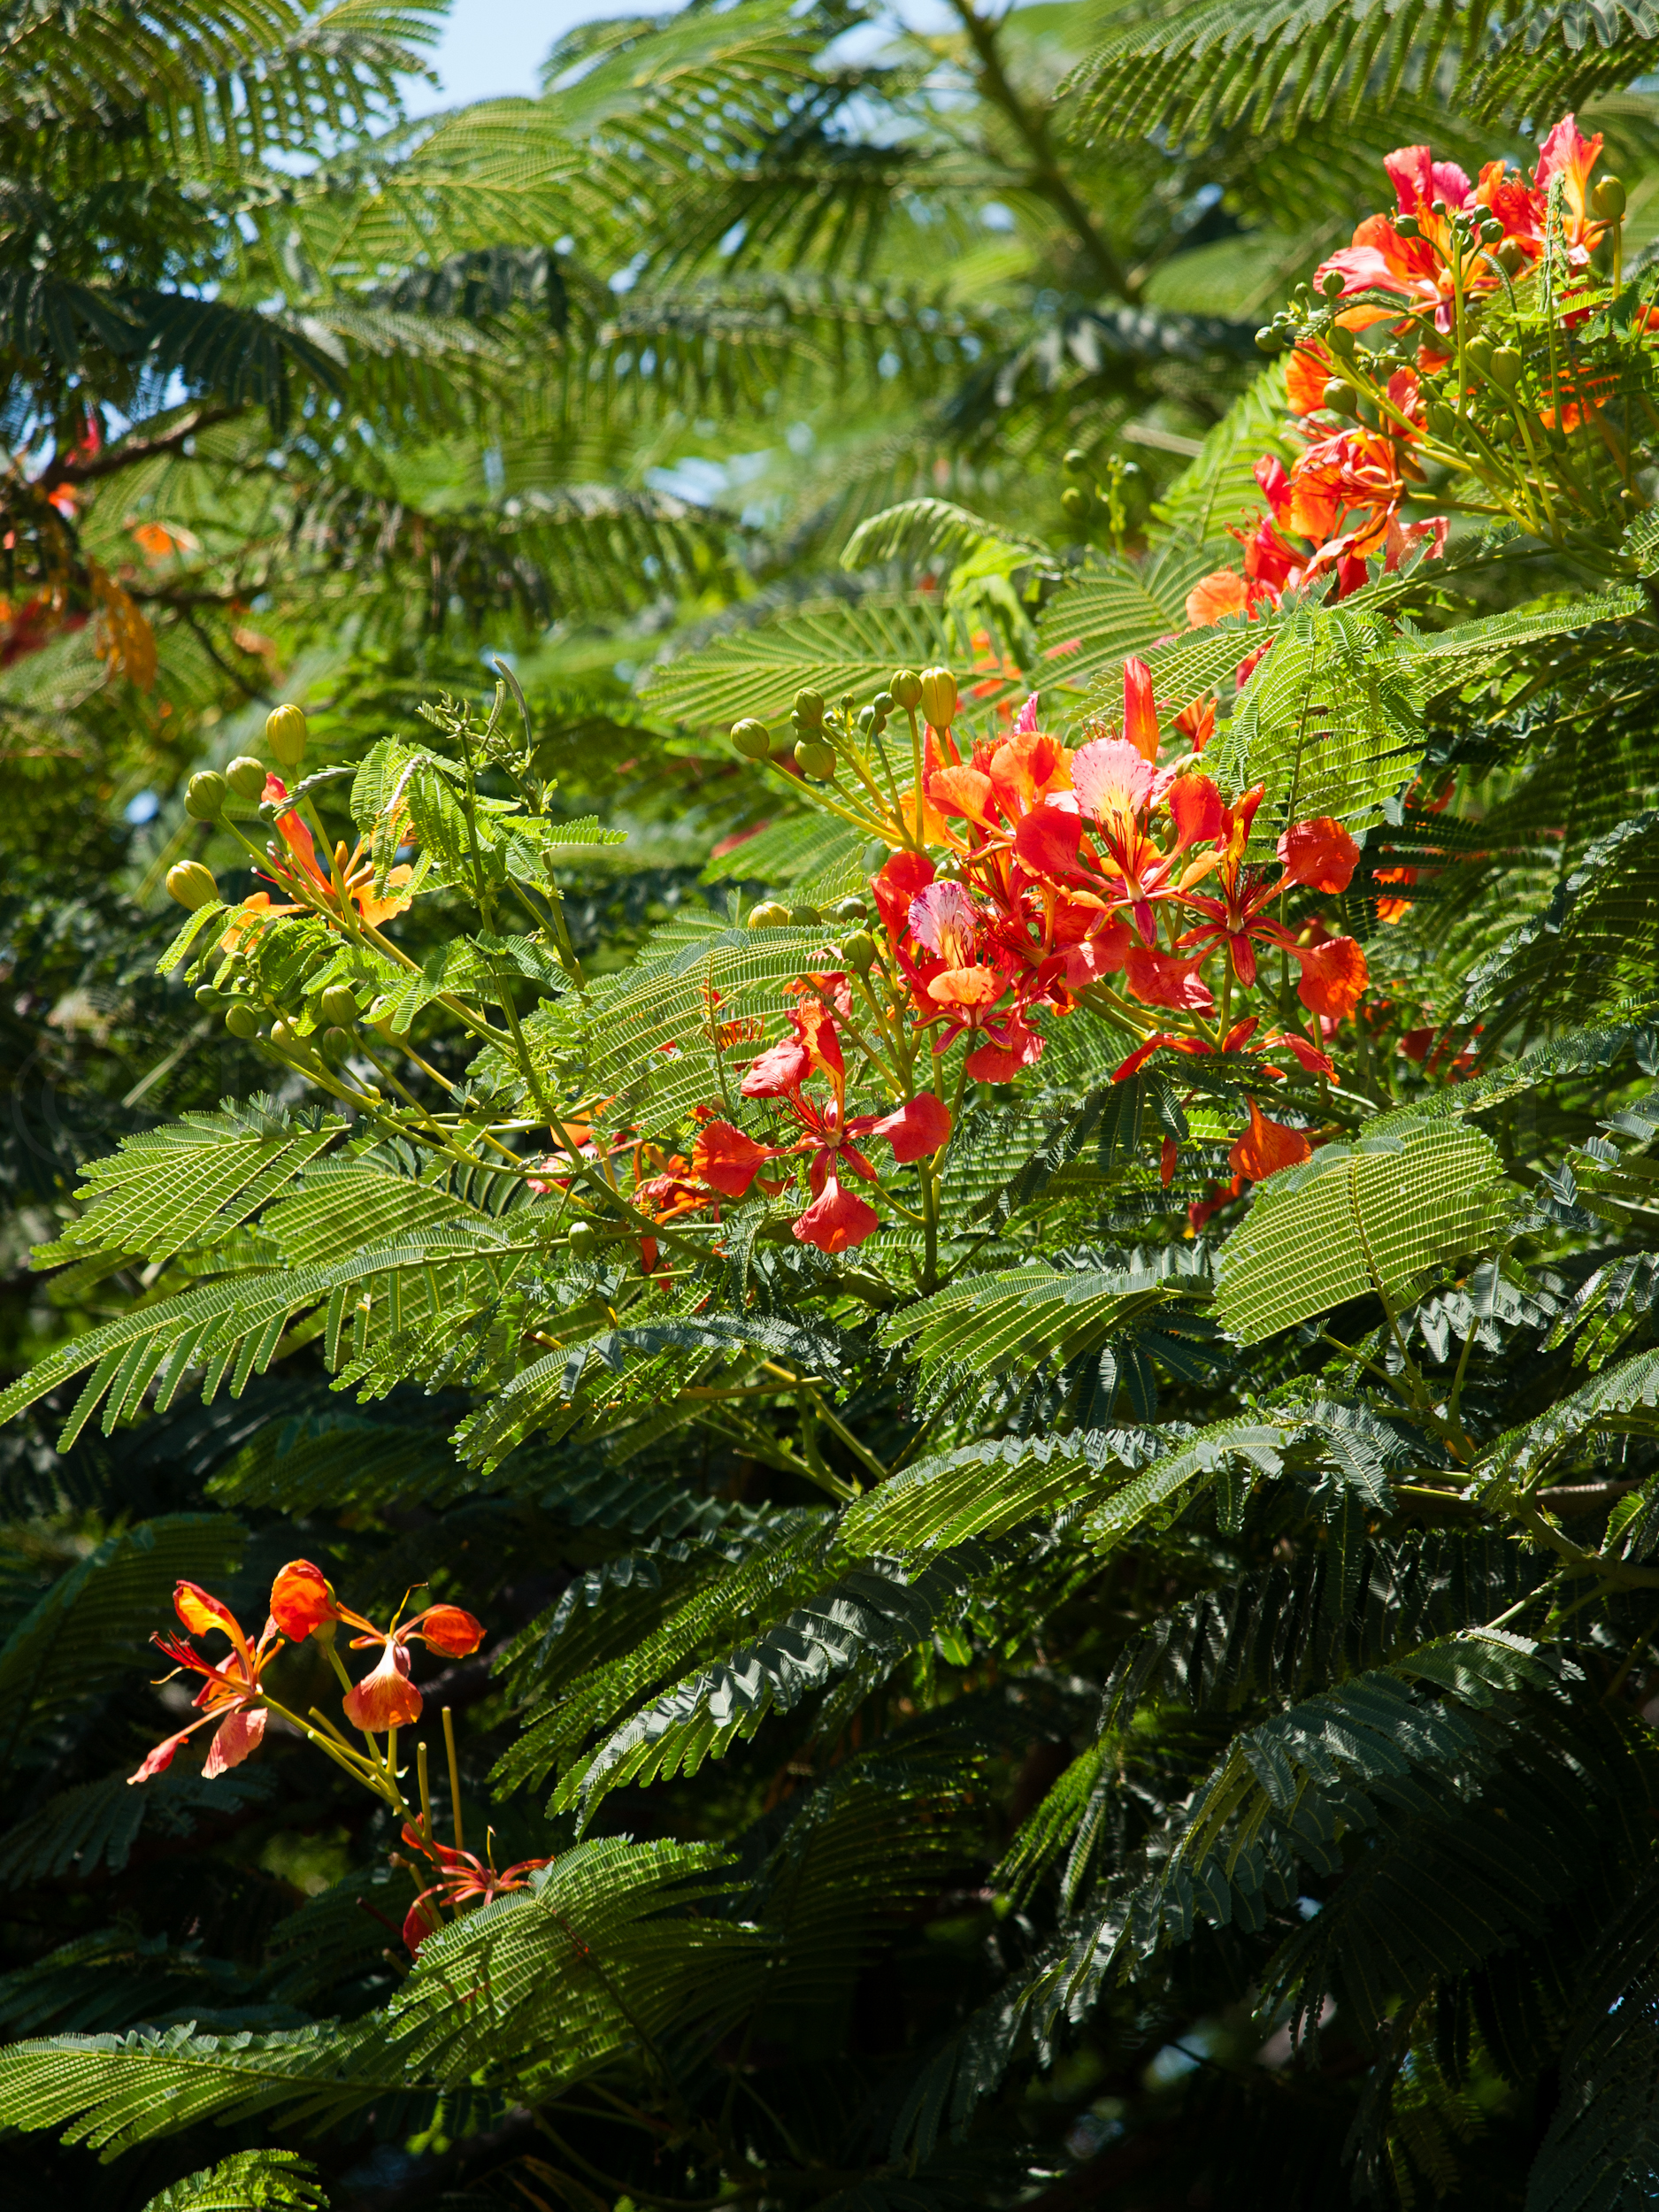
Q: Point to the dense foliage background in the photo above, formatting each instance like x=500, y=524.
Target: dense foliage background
x=1008, y=1725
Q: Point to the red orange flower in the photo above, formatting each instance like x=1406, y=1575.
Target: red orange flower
x=230, y=1687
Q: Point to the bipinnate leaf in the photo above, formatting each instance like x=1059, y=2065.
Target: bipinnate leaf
x=1367, y=1218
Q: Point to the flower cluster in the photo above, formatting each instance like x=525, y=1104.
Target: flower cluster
x=234, y=1692
x=1479, y=375
x=236, y=1700
x=1027, y=879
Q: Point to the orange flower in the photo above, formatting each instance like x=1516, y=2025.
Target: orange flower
x=462, y=1878
x=354, y=870
x=228, y=1690
x=302, y=1600
x=1356, y=475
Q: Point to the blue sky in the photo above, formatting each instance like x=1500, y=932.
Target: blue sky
x=491, y=47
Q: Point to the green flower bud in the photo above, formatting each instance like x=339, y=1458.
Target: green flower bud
x=1507, y=367
x=246, y=776
x=338, y=1007
x=1607, y=199
x=242, y=1022
x=770, y=914
x=906, y=687
x=1267, y=340
x=1342, y=342
x=1440, y=419
x=287, y=1038
x=584, y=1240
x=210, y=999
x=859, y=952
x=815, y=759
x=1330, y=284
x=805, y=916
x=939, y=697
x=848, y=911
x=884, y=703
x=285, y=732
x=1076, y=462
x=1407, y=226
x=191, y=884
x=1478, y=352
x=1491, y=231
x=335, y=1045
x=809, y=706
x=1511, y=256
x=204, y=796
x=1340, y=398
x=751, y=738
x=1077, y=502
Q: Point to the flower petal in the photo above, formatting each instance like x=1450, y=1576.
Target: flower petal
x=836, y=1220
x=1320, y=854
x=921, y=1125
x=450, y=1629
x=387, y=1697
x=238, y=1734
x=726, y=1160
x=302, y=1599
x=1266, y=1147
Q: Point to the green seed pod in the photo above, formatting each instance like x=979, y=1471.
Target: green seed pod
x=1267, y=340
x=584, y=1240
x=1076, y=504
x=808, y=707
x=285, y=732
x=939, y=697
x=1076, y=462
x=805, y=918
x=906, y=687
x=191, y=884
x=1507, y=368
x=210, y=999
x=859, y=952
x=246, y=776
x=242, y=1022
x=770, y=914
x=1607, y=199
x=1440, y=419
x=751, y=738
x=338, y=1007
x=815, y=759
x=204, y=796
x=1340, y=398
x=335, y=1045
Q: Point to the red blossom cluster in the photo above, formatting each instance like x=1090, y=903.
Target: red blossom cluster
x=233, y=1693
x=1339, y=505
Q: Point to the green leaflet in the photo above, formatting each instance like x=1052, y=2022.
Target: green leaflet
x=817, y=852
x=185, y=1182
x=1369, y=1217
x=833, y=646
x=248, y=2181
x=1116, y=607
x=1324, y=722
x=868, y=1618
x=988, y=1325
x=1218, y=488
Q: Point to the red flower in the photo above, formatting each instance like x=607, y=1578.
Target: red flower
x=1320, y=854
x=1266, y=1147
x=302, y=1600
x=836, y=1220
x=462, y=1878
x=228, y=1690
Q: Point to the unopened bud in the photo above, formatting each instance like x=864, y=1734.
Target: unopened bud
x=242, y=1022
x=191, y=884
x=770, y=914
x=859, y=951
x=246, y=776
x=906, y=687
x=1340, y=398
x=1507, y=367
x=335, y=1045
x=1607, y=199
x=1076, y=462
x=809, y=706
x=338, y=1006
x=1331, y=283
x=939, y=697
x=1076, y=502
x=285, y=732
x=204, y=796
x=751, y=738
x=1511, y=256
x=584, y=1240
